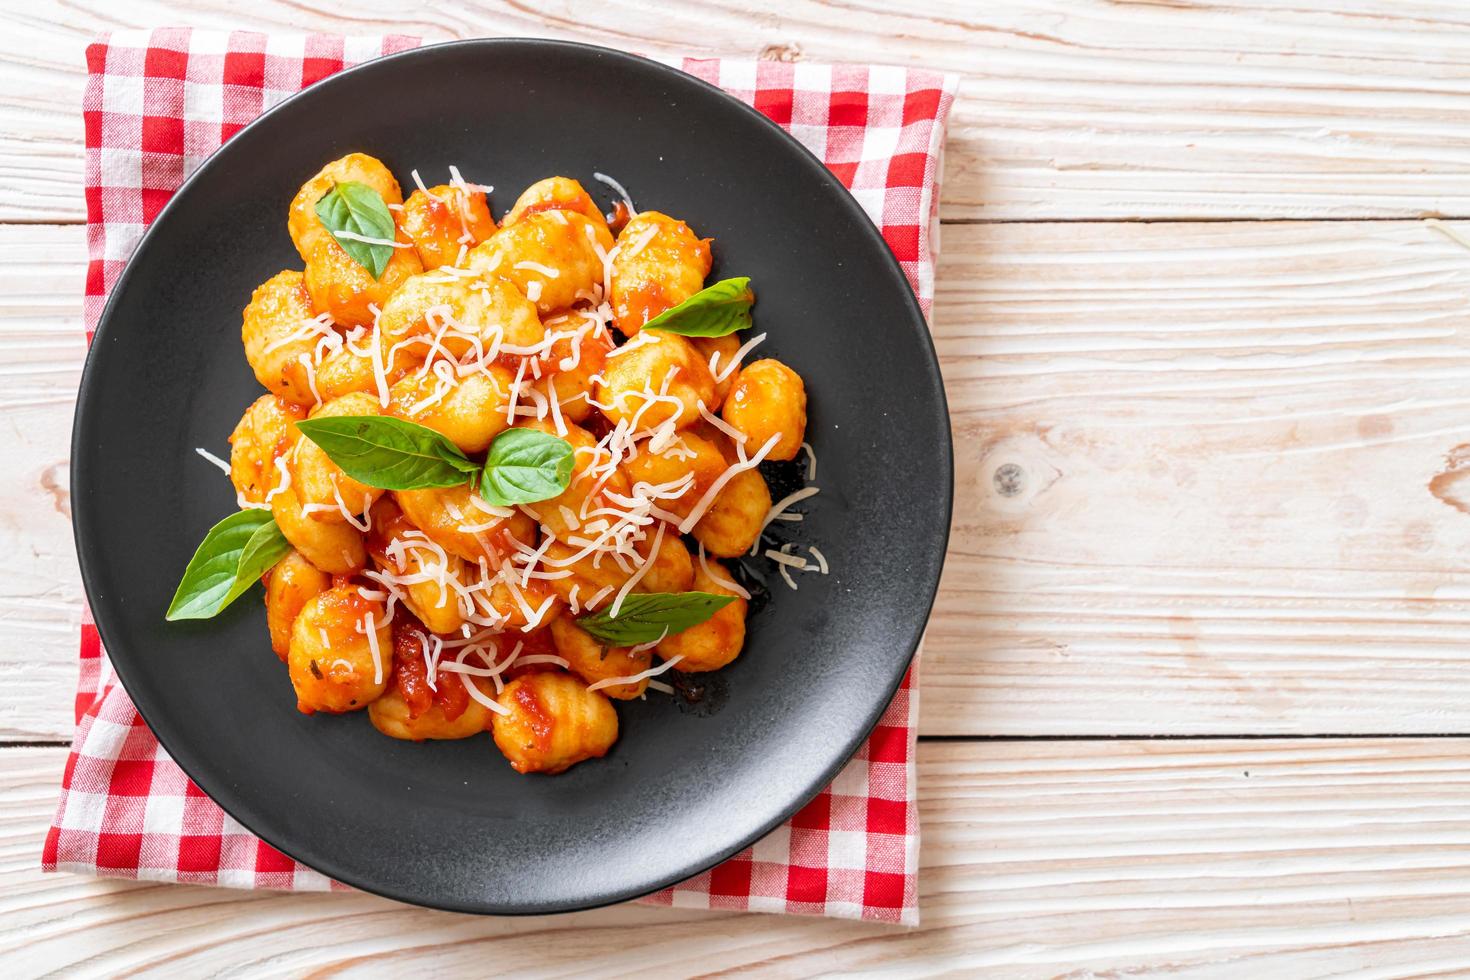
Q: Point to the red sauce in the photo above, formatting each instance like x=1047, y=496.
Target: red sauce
x=540, y=722
x=409, y=671
x=411, y=674
x=643, y=303
x=620, y=217
x=581, y=204
x=538, y=642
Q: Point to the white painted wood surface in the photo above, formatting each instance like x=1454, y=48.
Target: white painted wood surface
x=1069, y=109
x=1240, y=460
x=1196, y=859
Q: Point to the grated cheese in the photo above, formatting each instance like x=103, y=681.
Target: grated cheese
x=821, y=559
x=723, y=583
x=284, y=483
x=778, y=508
x=419, y=183
x=811, y=461
x=545, y=270
x=542, y=658
x=617, y=189
x=355, y=237
x=213, y=459
x=720, y=423
x=734, y=364
x=735, y=469
x=635, y=678
x=372, y=638
x=658, y=540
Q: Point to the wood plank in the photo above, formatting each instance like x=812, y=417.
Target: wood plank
x=1224, y=435
x=41, y=334
x=1082, y=109
x=1220, y=441
x=1216, y=858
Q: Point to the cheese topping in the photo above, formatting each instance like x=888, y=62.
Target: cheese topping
x=635, y=678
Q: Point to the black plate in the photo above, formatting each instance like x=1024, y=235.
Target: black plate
x=449, y=824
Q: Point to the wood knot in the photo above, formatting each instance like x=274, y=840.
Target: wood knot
x=56, y=480
x=781, y=52
x=1009, y=479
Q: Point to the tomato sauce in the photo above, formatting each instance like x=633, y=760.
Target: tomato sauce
x=411, y=674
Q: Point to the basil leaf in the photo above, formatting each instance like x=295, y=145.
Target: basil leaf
x=524, y=466
x=388, y=452
x=233, y=555
x=714, y=311
x=357, y=209
x=646, y=617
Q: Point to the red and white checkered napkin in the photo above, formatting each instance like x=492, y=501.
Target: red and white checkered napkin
x=157, y=104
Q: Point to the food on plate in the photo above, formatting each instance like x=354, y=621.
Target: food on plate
x=503, y=470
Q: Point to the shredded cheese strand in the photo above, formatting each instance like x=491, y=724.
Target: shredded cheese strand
x=635, y=678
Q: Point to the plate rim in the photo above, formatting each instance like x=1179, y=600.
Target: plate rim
x=88, y=562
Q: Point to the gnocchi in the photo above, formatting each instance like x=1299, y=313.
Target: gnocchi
x=660, y=263
x=526, y=462
x=552, y=722
x=442, y=221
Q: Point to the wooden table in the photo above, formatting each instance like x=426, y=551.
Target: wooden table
x=1196, y=685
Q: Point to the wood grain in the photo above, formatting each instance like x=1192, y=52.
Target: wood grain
x=1222, y=439
x=1070, y=109
x=1219, y=858
x=41, y=336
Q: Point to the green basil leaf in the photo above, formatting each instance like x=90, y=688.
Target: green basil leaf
x=357, y=209
x=646, y=617
x=714, y=311
x=233, y=555
x=390, y=453
x=524, y=466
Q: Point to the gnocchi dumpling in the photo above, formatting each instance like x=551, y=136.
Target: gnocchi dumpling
x=326, y=493
x=414, y=710
x=718, y=640
x=555, y=194
x=334, y=548
x=732, y=523
x=659, y=264
x=577, y=355
x=263, y=435
x=553, y=722
x=427, y=575
x=289, y=586
x=337, y=285
x=590, y=488
x=461, y=315
x=655, y=378
x=280, y=334
x=469, y=411
x=443, y=221
x=459, y=521
x=769, y=399
x=553, y=257
x=689, y=456
x=593, y=661
x=340, y=644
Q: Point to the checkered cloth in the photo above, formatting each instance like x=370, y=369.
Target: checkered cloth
x=157, y=104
